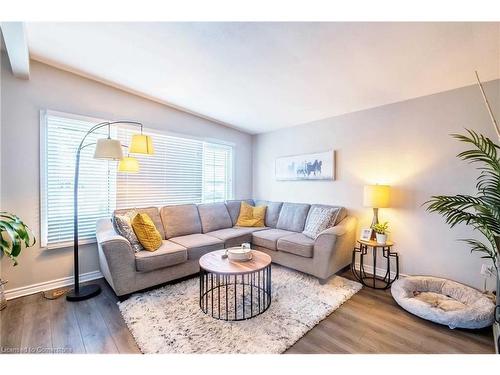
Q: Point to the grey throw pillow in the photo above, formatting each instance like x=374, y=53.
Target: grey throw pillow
x=123, y=226
x=319, y=219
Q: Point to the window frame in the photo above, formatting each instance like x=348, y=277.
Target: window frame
x=231, y=169
x=43, y=197
x=44, y=114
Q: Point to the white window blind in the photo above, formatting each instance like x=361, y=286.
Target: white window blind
x=173, y=175
x=217, y=172
x=182, y=170
x=61, y=137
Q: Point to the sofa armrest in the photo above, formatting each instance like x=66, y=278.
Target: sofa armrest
x=116, y=256
x=333, y=247
x=346, y=225
x=105, y=232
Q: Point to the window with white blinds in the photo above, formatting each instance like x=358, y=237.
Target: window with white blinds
x=173, y=175
x=61, y=136
x=182, y=170
x=217, y=172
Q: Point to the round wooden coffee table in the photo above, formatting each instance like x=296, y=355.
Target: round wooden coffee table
x=231, y=290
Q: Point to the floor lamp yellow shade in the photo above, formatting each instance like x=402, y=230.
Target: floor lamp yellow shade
x=141, y=144
x=128, y=164
x=376, y=196
x=108, y=149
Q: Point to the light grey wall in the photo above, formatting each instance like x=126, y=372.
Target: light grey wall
x=406, y=145
x=50, y=88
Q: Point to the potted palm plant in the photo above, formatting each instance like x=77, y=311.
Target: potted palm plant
x=13, y=234
x=481, y=211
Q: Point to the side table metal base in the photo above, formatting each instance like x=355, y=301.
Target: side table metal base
x=372, y=280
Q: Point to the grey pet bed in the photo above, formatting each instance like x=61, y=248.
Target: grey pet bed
x=444, y=301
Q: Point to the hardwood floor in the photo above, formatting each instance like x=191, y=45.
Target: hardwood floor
x=370, y=322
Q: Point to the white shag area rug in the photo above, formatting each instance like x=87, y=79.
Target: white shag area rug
x=169, y=319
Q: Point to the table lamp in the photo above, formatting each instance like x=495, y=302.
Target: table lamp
x=376, y=196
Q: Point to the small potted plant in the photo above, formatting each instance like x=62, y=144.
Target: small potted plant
x=381, y=230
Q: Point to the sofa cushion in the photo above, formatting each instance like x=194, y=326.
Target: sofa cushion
x=146, y=232
x=319, y=219
x=235, y=236
x=123, y=226
x=251, y=216
x=180, y=220
x=298, y=244
x=152, y=212
x=169, y=254
x=214, y=216
x=233, y=206
x=198, y=244
x=293, y=216
x=272, y=212
x=269, y=237
x=339, y=214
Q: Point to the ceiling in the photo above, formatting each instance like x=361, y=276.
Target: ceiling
x=260, y=77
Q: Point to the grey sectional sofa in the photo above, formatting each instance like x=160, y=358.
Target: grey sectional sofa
x=189, y=231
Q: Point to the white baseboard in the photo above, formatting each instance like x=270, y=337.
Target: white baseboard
x=379, y=271
x=48, y=285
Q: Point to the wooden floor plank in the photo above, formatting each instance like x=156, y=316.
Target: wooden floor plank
x=369, y=322
x=66, y=335
x=95, y=334
x=122, y=338
x=11, y=326
x=36, y=336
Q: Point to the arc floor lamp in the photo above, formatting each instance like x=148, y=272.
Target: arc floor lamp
x=105, y=149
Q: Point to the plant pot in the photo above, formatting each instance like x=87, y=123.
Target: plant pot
x=381, y=238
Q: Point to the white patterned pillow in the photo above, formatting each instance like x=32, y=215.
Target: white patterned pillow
x=319, y=219
x=123, y=226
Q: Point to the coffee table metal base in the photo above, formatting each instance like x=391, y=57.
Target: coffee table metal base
x=235, y=297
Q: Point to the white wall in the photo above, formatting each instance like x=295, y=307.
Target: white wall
x=58, y=90
x=406, y=145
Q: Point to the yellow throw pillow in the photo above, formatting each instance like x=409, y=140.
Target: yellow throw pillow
x=251, y=216
x=146, y=232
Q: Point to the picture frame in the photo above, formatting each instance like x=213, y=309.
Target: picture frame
x=306, y=167
x=366, y=234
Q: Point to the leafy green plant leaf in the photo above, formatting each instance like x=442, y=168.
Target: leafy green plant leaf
x=16, y=234
x=482, y=211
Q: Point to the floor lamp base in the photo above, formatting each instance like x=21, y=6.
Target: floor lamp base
x=84, y=292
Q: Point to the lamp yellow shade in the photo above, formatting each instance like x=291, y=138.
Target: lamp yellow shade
x=108, y=149
x=128, y=164
x=141, y=144
x=376, y=196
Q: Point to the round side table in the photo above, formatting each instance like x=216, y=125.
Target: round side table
x=231, y=290
x=372, y=280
